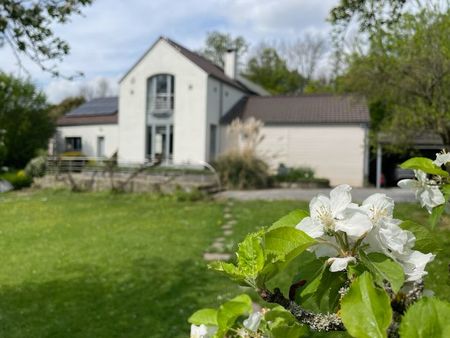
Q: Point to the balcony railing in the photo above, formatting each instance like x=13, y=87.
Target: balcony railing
x=161, y=103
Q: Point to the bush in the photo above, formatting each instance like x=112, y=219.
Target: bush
x=294, y=174
x=242, y=170
x=36, y=167
x=18, y=179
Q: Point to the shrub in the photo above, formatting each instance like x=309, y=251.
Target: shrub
x=294, y=174
x=242, y=170
x=18, y=179
x=36, y=167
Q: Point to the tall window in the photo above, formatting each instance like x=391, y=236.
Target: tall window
x=160, y=94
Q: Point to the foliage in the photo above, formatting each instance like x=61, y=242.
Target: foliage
x=426, y=318
x=36, y=167
x=27, y=27
x=293, y=174
x=366, y=273
x=65, y=106
x=270, y=71
x=18, y=179
x=242, y=170
x=405, y=74
x=217, y=44
x=24, y=117
x=371, y=15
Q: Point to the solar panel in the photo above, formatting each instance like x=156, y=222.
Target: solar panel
x=99, y=106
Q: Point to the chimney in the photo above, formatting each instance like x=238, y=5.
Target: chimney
x=230, y=63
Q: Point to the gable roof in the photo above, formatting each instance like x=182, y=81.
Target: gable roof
x=303, y=109
x=96, y=111
x=200, y=61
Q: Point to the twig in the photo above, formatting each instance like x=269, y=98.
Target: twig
x=316, y=321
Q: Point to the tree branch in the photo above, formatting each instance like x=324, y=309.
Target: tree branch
x=316, y=321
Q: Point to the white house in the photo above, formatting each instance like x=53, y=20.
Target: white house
x=175, y=105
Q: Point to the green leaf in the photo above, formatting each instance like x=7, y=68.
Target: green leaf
x=204, y=316
x=281, y=246
x=250, y=256
x=290, y=220
x=285, y=243
x=366, y=310
x=424, y=164
x=327, y=295
x=425, y=239
x=282, y=324
x=228, y=269
x=230, y=311
x=429, y=317
x=384, y=268
x=439, y=210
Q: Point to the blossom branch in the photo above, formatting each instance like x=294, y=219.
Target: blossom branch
x=316, y=321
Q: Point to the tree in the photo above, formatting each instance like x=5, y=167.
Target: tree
x=305, y=53
x=24, y=119
x=406, y=76
x=218, y=43
x=27, y=27
x=65, y=106
x=370, y=15
x=269, y=70
x=100, y=88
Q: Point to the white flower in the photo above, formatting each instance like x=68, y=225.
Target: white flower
x=334, y=214
x=202, y=331
x=378, y=207
x=426, y=192
x=414, y=264
x=442, y=158
x=253, y=321
x=340, y=263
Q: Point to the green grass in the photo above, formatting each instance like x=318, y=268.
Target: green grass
x=105, y=265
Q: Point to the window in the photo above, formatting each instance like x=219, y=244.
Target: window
x=160, y=94
x=101, y=146
x=73, y=144
x=212, y=142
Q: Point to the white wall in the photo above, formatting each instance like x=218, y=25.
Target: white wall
x=89, y=136
x=190, y=132
x=334, y=152
x=221, y=97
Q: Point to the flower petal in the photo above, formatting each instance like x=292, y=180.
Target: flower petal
x=355, y=224
x=340, y=263
x=310, y=227
x=378, y=205
x=253, y=321
x=408, y=184
x=319, y=205
x=340, y=198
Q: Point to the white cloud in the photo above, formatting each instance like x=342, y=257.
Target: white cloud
x=113, y=34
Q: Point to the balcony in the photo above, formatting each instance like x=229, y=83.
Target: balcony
x=161, y=105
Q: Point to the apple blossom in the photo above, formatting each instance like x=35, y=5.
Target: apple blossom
x=426, y=190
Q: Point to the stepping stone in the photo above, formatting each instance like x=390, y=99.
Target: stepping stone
x=218, y=245
x=227, y=226
x=227, y=215
x=208, y=256
x=228, y=232
x=232, y=222
x=220, y=239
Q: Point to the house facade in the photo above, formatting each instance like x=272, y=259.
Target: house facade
x=174, y=106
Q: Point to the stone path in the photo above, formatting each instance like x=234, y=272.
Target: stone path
x=217, y=250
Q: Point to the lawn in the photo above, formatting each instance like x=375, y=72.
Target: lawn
x=104, y=265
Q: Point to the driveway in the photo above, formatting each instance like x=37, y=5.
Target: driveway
x=358, y=194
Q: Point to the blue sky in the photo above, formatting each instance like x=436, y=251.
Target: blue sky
x=112, y=34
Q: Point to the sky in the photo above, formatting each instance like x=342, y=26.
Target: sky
x=112, y=34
